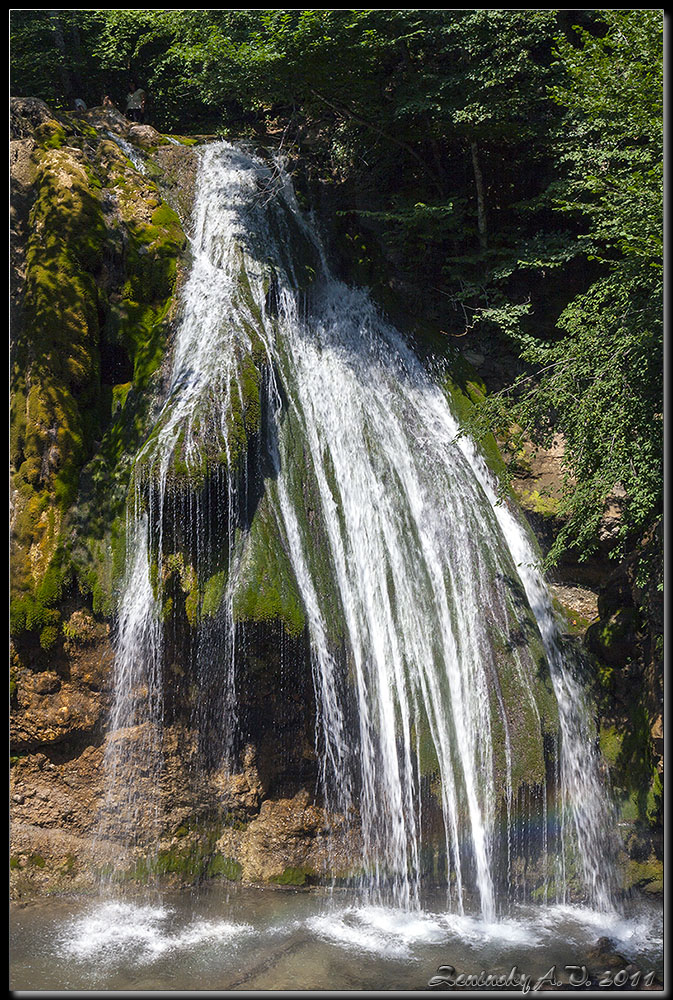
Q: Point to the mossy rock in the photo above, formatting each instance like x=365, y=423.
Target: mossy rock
x=610, y=741
x=628, y=752
x=544, y=504
x=462, y=403
x=97, y=295
x=268, y=590
x=646, y=875
x=614, y=640
x=221, y=866
x=292, y=876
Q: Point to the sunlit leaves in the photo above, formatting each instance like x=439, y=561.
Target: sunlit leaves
x=600, y=381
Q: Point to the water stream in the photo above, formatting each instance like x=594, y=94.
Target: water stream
x=441, y=683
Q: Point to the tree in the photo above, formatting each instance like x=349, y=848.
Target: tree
x=599, y=381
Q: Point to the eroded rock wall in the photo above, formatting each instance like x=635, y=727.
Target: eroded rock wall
x=100, y=207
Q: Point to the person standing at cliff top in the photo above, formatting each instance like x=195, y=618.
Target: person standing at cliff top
x=136, y=100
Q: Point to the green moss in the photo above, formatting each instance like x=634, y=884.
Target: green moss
x=268, y=588
x=186, y=862
x=573, y=621
x=213, y=592
x=645, y=874
x=628, y=752
x=49, y=636
x=220, y=866
x=654, y=804
x=93, y=421
x=191, y=591
x=185, y=140
x=462, y=402
x=50, y=135
x=609, y=638
x=539, y=503
x=421, y=738
x=37, y=612
x=522, y=689
x=192, y=857
x=234, y=821
x=610, y=741
x=292, y=876
x=56, y=360
x=138, y=322
x=269, y=591
x=630, y=811
x=179, y=580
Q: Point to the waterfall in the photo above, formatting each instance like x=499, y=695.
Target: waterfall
x=442, y=691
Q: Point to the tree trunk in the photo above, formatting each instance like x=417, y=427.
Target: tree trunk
x=66, y=83
x=481, y=202
x=349, y=113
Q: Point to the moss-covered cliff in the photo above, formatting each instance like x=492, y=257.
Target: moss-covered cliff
x=100, y=213
x=100, y=209
x=100, y=250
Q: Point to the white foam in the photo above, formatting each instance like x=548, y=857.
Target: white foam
x=381, y=930
x=118, y=930
x=632, y=934
x=394, y=932
x=508, y=932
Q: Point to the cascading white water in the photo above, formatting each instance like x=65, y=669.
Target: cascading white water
x=374, y=490
x=585, y=798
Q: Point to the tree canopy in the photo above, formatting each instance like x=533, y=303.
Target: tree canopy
x=599, y=379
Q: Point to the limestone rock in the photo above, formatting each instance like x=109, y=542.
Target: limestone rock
x=288, y=842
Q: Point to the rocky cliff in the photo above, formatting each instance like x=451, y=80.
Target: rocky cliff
x=99, y=210
x=100, y=247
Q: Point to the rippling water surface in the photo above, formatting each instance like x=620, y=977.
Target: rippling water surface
x=253, y=939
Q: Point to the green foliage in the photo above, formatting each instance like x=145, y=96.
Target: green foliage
x=614, y=151
x=599, y=379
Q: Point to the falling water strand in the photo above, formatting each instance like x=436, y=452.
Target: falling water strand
x=585, y=797
x=411, y=570
x=205, y=378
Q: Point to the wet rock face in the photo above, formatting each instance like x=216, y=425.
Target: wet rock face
x=62, y=699
x=190, y=820
x=616, y=610
x=53, y=802
x=58, y=709
x=67, y=832
x=290, y=843
x=99, y=206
